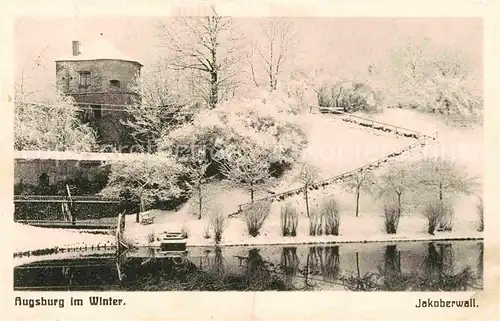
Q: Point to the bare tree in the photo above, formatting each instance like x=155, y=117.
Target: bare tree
x=198, y=179
x=361, y=180
x=279, y=36
x=28, y=72
x=396, y=181
x=206, y=46
x=308, y=176
x=248, y=167
x=163, y=103
x=444, y=179
x=410, y=63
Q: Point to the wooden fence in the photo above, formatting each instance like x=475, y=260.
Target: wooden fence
x=422, y=140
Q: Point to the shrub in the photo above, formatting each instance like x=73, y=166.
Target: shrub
x=480, y=213
x=315, y=222
x=289, y=220
x=255, y=216
x=217, y=222
x=206, y=233
x=434, y=212
x=351, y=96
x=446, y=223
x=392, y=213
x=330, y=211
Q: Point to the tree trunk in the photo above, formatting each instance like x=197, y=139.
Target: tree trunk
x=200, y=200
x=399, y=203
x=357, y=202
x=141, y=209
x=307, y=201
x=214, y=92
x=251, y=192
x=357, y=265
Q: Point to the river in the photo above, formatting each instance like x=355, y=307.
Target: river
x=402, y=266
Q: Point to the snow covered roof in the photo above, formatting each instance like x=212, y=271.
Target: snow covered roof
x=79, y=156
x=100, y=49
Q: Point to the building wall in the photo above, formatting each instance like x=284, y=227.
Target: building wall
x=29, y=171
x=102, y=71
x=109, y=128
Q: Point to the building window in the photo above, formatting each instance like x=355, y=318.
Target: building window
x=114, y=83
x=96, y=111
x=85, y=78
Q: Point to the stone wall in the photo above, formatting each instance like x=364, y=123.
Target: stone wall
x=102, y=72
x=101, y=92
x=28, y=172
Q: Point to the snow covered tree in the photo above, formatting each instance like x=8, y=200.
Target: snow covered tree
x=434, y=80
x=307, y=176
x=396, y=182
x=205, y=46
x=441, y=179
x=53, y=125
x=163, y=105
x=197, y=179
x=273, y=47
x=146, y=179
x=361, y=180
x=247, y=166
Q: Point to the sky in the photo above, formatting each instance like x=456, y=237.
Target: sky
x=344, y=45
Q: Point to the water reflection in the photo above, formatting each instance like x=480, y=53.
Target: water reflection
x=440, y=273
x=408, y=267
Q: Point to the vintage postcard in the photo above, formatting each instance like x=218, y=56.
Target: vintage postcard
x=250, y=161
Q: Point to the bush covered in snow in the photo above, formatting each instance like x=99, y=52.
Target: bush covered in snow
x=148, y=180
x=255, y=216
x=436, y=212
x=264, y=123
x=351, y=96
x=330, y=210
x=218, y=222
x=289, y=220
x=392, y=214
x=443, y=96
x=52, y=126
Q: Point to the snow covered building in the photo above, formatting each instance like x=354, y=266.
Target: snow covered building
x=99, y=77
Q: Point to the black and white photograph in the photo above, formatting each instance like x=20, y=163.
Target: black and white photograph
x=217, y=153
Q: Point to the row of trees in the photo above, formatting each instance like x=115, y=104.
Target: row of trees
x=429, y=186
x=209, y=60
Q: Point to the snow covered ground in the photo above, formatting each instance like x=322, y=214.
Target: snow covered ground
x=347, y=148
x=334, y=147
x=29, y=238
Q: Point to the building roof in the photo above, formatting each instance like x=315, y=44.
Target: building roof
x=81, y=156
x=100, y=49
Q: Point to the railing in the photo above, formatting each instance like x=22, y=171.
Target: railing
x=338, y=178
x=371, y=122
x=421, y=140
x=63, y=199
x=68, y=224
